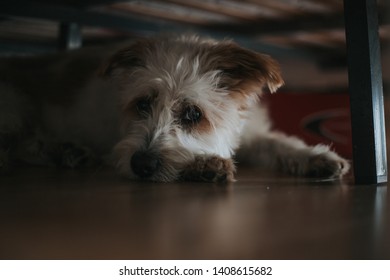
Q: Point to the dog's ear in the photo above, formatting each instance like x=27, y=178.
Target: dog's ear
x=126, y=58
x=244, y=70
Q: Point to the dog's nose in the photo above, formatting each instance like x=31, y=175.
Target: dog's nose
x=144, y=164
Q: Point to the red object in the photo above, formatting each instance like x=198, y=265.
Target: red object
x=315, y=118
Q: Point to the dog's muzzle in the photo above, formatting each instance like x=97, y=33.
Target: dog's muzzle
x=144, y=164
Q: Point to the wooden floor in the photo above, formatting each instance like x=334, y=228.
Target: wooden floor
x=53, y=214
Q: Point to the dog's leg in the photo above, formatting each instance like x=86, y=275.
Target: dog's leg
x=279, y=152
x=208, y=168
x=60, y=154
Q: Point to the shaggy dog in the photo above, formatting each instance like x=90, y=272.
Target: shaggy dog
x=159, y=109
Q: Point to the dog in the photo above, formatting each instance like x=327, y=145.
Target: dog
x=161, y=109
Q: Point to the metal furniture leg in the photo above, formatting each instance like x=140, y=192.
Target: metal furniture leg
x=69, y=36
x=366, y=92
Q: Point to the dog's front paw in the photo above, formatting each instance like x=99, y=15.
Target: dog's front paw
x=210, y=169
x=326, y=165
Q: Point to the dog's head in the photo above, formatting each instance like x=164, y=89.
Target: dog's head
x=183, y=97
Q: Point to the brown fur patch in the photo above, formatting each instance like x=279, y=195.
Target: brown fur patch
x=130, y=110
x=243, y=71
x=128, y=57
x=201, y=127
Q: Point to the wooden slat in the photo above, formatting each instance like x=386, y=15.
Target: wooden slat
x=244, y=11
x=157, y=10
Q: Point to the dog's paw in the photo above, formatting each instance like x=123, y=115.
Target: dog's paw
x=327, y=165
x=324, y=163
x=210, y=169
x=318, y=162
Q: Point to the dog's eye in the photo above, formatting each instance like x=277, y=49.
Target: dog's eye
x=191, y=115
x=143, y=106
